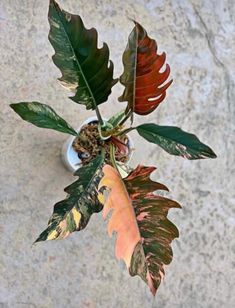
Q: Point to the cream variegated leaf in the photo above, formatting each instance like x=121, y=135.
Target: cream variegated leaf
x=139, y=217
x=74, y=212
x=86, y=69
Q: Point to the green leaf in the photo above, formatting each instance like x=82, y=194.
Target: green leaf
x=175, y=141
x=85, y=69
x=43, y=116
x=116, y=119
x=74, y=212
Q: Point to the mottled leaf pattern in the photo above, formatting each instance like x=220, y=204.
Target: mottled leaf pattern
x=145, y=86
x=139, y=218
x=85, y=69
x=157, y=232
x=139, y=181
x=73, y=213
x=43, y=116
x=175, y=141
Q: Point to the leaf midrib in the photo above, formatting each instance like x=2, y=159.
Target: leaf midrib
x=85, y=190
x=169, y=139
x=78, y=64
x=135, y=64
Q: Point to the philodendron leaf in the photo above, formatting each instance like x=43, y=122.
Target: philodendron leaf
x=157, y=232
x=85, y=69
x=74, y=212
x=139, y=181
x=43, y=116
x=143, y=81
x=175, y=141
x=139, y=218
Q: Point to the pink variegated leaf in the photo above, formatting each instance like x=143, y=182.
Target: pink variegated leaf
x=139, y=217
x=123, y=220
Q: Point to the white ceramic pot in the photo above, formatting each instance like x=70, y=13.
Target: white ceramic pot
x=70, y=157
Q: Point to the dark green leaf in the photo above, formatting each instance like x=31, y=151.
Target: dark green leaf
x=74, y=212
x=175, y=141
x=85, y=69
x=43, y=116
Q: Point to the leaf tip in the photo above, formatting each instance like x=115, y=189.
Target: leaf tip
x=154, y=292
x=212, y=154
x=52, y=2
x=131, y=19
x=177, y=205
x=12, y=106
x=37, y=241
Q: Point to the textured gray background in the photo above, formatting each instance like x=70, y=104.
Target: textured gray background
x=81, y=271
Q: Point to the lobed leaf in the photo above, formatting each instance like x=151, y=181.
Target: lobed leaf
x=175, y=141
x=139, y=218
x=145, y=85
x=139, y=182
x=157, y=232
x=43, y=116
x=85, y=69
x=74, y=212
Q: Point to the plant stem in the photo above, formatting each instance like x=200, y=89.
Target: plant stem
x=112, y=157
x=126, y=131
x=99, y=116
x=126, y=117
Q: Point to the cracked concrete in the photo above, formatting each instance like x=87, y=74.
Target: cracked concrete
x=198, y=37
x=211, y=44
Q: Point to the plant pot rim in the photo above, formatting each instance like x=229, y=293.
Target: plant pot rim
x=69, y=156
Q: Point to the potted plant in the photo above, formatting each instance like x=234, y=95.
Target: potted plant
x=105, y=182
x=80, y=150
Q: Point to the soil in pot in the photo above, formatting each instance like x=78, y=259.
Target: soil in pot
x=88, y=145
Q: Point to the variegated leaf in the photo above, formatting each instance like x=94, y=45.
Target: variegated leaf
x=86, y=69
x=175, y=141
x=116, y=119
x=139, y=182
x=143, y=76
x=74, y=212
x=157, y=232
x=139, y=218
x=43, y=116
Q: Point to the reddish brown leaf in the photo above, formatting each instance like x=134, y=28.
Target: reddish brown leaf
x=138, y=182
x=145, y=86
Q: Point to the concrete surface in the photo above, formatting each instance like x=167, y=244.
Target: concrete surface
x=81, y=271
